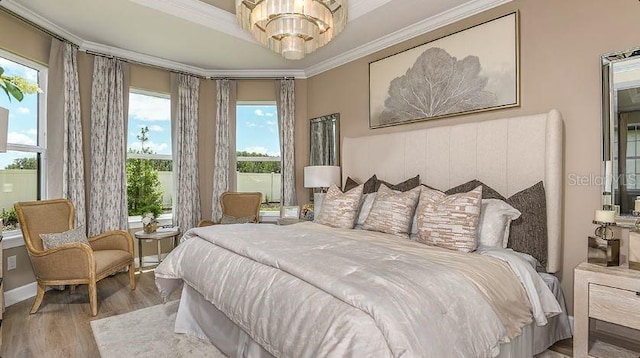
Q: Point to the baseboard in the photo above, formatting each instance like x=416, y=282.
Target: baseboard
x=27, y=291
x=20, y=294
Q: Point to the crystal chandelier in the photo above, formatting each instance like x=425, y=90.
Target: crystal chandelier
x=292, y=28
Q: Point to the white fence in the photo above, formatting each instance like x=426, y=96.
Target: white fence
x=21, y=185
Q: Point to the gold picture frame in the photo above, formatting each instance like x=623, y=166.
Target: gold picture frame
x=473, y=70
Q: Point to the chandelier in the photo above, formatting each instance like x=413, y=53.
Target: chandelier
x=292, y=28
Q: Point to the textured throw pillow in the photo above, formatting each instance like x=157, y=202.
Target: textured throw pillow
x=365, y=208
x=406, y=185
x=414, y=221
x=449, y=221
x=49, y=241
x=528, y=233
x=369, y=185
x=495, y=219
x=350, y=184
x=487, y=191
x=340, y=209
x=228, y=219
x=392, y=212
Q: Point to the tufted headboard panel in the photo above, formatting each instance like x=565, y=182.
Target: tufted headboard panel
x=509, y=154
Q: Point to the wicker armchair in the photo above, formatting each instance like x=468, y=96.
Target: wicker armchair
x=72, y=264
x=238, y=205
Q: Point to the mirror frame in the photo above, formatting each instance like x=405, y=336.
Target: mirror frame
x=609, y=110
x=335, y=118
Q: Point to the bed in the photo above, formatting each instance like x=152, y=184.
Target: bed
x=308, y=290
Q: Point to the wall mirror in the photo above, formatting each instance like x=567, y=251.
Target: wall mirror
x=325, y=140
x=621, y=129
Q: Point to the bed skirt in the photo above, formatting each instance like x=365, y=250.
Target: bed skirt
x=198, y=317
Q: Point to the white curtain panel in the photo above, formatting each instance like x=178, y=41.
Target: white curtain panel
x=185, y=152
x=108, y=195
x=286, y=100
x=221, y=165
x=73, y=168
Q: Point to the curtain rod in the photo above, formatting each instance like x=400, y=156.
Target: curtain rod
x=63, y=39
x=36, y=26
x=183, y=72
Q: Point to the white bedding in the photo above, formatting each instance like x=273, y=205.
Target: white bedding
x=307, y=290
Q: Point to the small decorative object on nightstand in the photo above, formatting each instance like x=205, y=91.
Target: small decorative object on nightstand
x=604, y=249
x=149, y=223
x=307, y=212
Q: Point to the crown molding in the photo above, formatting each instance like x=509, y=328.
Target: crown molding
x=200, y=13
x=298, y=74
x=41, y=21
x=422, y=27
x=223, y=21
x=138, y=57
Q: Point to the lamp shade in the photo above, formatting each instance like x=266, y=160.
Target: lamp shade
x=4, y=125
x=321, y=176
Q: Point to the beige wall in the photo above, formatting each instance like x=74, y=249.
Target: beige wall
x=561, y=43
x=34, y=45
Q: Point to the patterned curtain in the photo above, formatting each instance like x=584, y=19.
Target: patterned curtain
x=73, y=168
x=108, y=195
x=185, y=149
x=286, y=100
x=221, y=165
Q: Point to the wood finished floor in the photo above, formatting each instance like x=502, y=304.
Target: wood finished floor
x=61, y=327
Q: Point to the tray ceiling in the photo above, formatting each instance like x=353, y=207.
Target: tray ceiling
x=202, y=37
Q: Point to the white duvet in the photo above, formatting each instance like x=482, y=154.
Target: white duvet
x=306, y=290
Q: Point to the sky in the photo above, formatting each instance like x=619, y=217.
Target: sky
x=153, y=112
x=256, y=129
x=23, y=128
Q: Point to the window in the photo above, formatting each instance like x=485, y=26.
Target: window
x=258, y=151
x=23, y=166
x=149, y=161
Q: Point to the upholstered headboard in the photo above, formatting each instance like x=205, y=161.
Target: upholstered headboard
x=509, y=154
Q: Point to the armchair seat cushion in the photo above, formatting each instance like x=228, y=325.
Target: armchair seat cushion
x=109, y=259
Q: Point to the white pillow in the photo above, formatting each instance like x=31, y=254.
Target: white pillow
x=495, y=220
x=365, y=208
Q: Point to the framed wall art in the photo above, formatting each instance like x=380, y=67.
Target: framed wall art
x=473, y=70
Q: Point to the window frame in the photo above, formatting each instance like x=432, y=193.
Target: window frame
x=265, y=216
x=135, y=221
x=41, y=146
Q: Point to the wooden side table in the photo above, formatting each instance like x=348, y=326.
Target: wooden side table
x=608, y=294
x=165, y=233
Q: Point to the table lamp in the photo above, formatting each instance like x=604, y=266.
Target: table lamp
x=320, y=177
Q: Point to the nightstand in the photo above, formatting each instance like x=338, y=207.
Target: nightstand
x=610, y=294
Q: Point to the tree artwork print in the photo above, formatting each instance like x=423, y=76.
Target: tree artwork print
x=470, y=71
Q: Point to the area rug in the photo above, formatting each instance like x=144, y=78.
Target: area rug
x=148, y=333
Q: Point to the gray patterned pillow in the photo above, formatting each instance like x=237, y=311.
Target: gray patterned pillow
x=404, y=186
x=392, y=212
x=449, y=221
x=528, y=233
x=340, y=209
x=49, y=241
x=228, y=219
x=487, y=191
